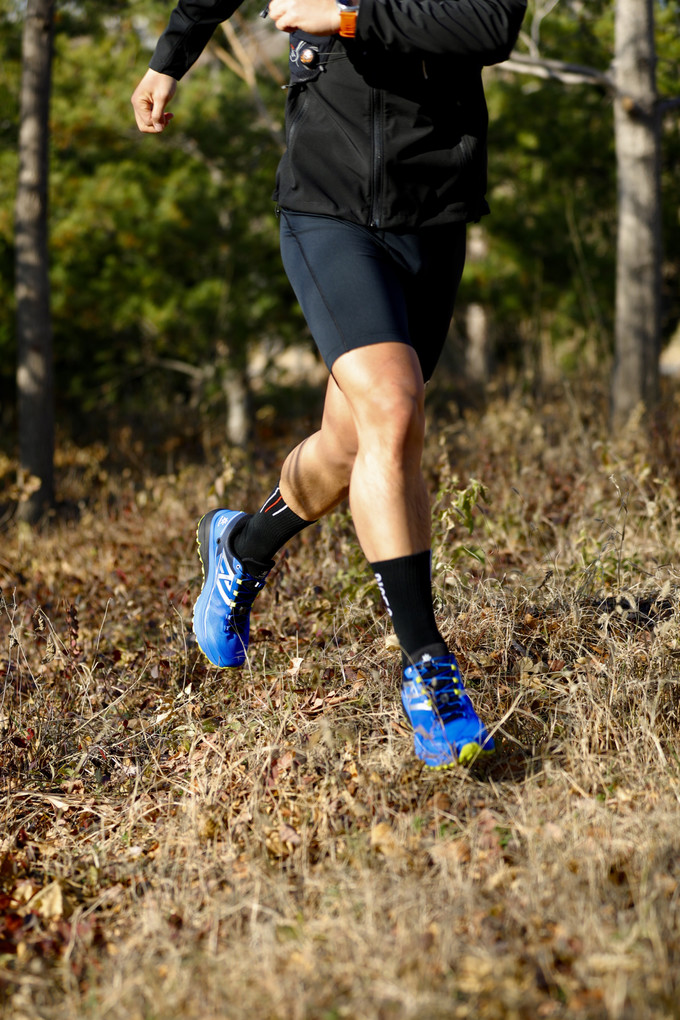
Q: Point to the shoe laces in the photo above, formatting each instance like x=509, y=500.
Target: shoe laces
x=445, y=687
x=243, y=595
x=246, y=590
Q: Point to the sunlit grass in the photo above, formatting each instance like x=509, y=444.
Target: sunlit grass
x=179, y=841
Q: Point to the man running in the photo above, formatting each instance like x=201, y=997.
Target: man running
x=385, y=164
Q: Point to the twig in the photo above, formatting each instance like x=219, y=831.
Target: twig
x=557, y=70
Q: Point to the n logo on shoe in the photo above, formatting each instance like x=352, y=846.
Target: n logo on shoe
x=224, y=573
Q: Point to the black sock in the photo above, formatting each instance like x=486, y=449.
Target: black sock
x=265, y=532
x=406, y=586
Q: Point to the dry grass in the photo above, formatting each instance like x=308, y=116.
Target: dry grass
x=183, y=842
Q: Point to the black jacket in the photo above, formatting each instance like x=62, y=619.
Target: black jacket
x=388, y=129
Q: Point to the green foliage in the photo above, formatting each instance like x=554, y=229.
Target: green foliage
x=552, y=233
x=453, y=508
x=466, y=501
x=550, y=269
x=167, y=248
x=162, y=247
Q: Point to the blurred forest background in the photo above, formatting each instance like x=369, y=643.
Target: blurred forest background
x=170, y=309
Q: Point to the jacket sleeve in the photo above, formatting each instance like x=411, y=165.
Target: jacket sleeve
x=190, y=27
x=483, y=30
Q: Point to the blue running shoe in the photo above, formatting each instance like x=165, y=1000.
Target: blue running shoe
x=222, y=610
x=447, y=730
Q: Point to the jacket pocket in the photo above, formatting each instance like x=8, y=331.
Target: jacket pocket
x=308, y=56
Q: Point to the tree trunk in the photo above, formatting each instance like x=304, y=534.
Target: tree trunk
x=478, y=348
x=237, y=395
x=635, y=381
x=35, y=385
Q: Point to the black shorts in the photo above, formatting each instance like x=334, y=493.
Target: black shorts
x=358, y=286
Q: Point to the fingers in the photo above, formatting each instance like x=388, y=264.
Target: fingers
x=280, y=14
x=320, y=17
x=149, y=100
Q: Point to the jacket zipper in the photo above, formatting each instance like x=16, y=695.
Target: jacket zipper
x=292, y=128
x=377, y=155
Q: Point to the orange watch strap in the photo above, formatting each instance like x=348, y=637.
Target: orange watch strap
x=348, y=24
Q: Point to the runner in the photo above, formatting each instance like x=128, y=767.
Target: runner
x=385, y=164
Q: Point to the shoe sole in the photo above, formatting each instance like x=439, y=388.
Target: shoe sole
x=203, y=537
x=469, y=754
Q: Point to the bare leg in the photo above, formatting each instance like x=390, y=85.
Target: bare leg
x=315, y=476
x=370, y=446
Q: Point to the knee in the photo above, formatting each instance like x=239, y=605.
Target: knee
x=394, y=421
x=383, y=388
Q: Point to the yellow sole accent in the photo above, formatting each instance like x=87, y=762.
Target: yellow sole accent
x=469, y=753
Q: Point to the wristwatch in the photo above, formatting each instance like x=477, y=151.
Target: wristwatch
x=349, y=10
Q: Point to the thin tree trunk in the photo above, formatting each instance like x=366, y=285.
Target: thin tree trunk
x=237, y=394
x=35, y=385
x=478, y=348
x=635, y=381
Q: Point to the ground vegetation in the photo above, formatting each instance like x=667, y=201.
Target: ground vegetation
x=179, y=841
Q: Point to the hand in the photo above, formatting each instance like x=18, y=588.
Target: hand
x=319, y=17
x=149, y=100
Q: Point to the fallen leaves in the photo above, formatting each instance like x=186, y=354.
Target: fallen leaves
x=384, y=841
x=274, y=819
x=34, y=921
x=50, y=903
